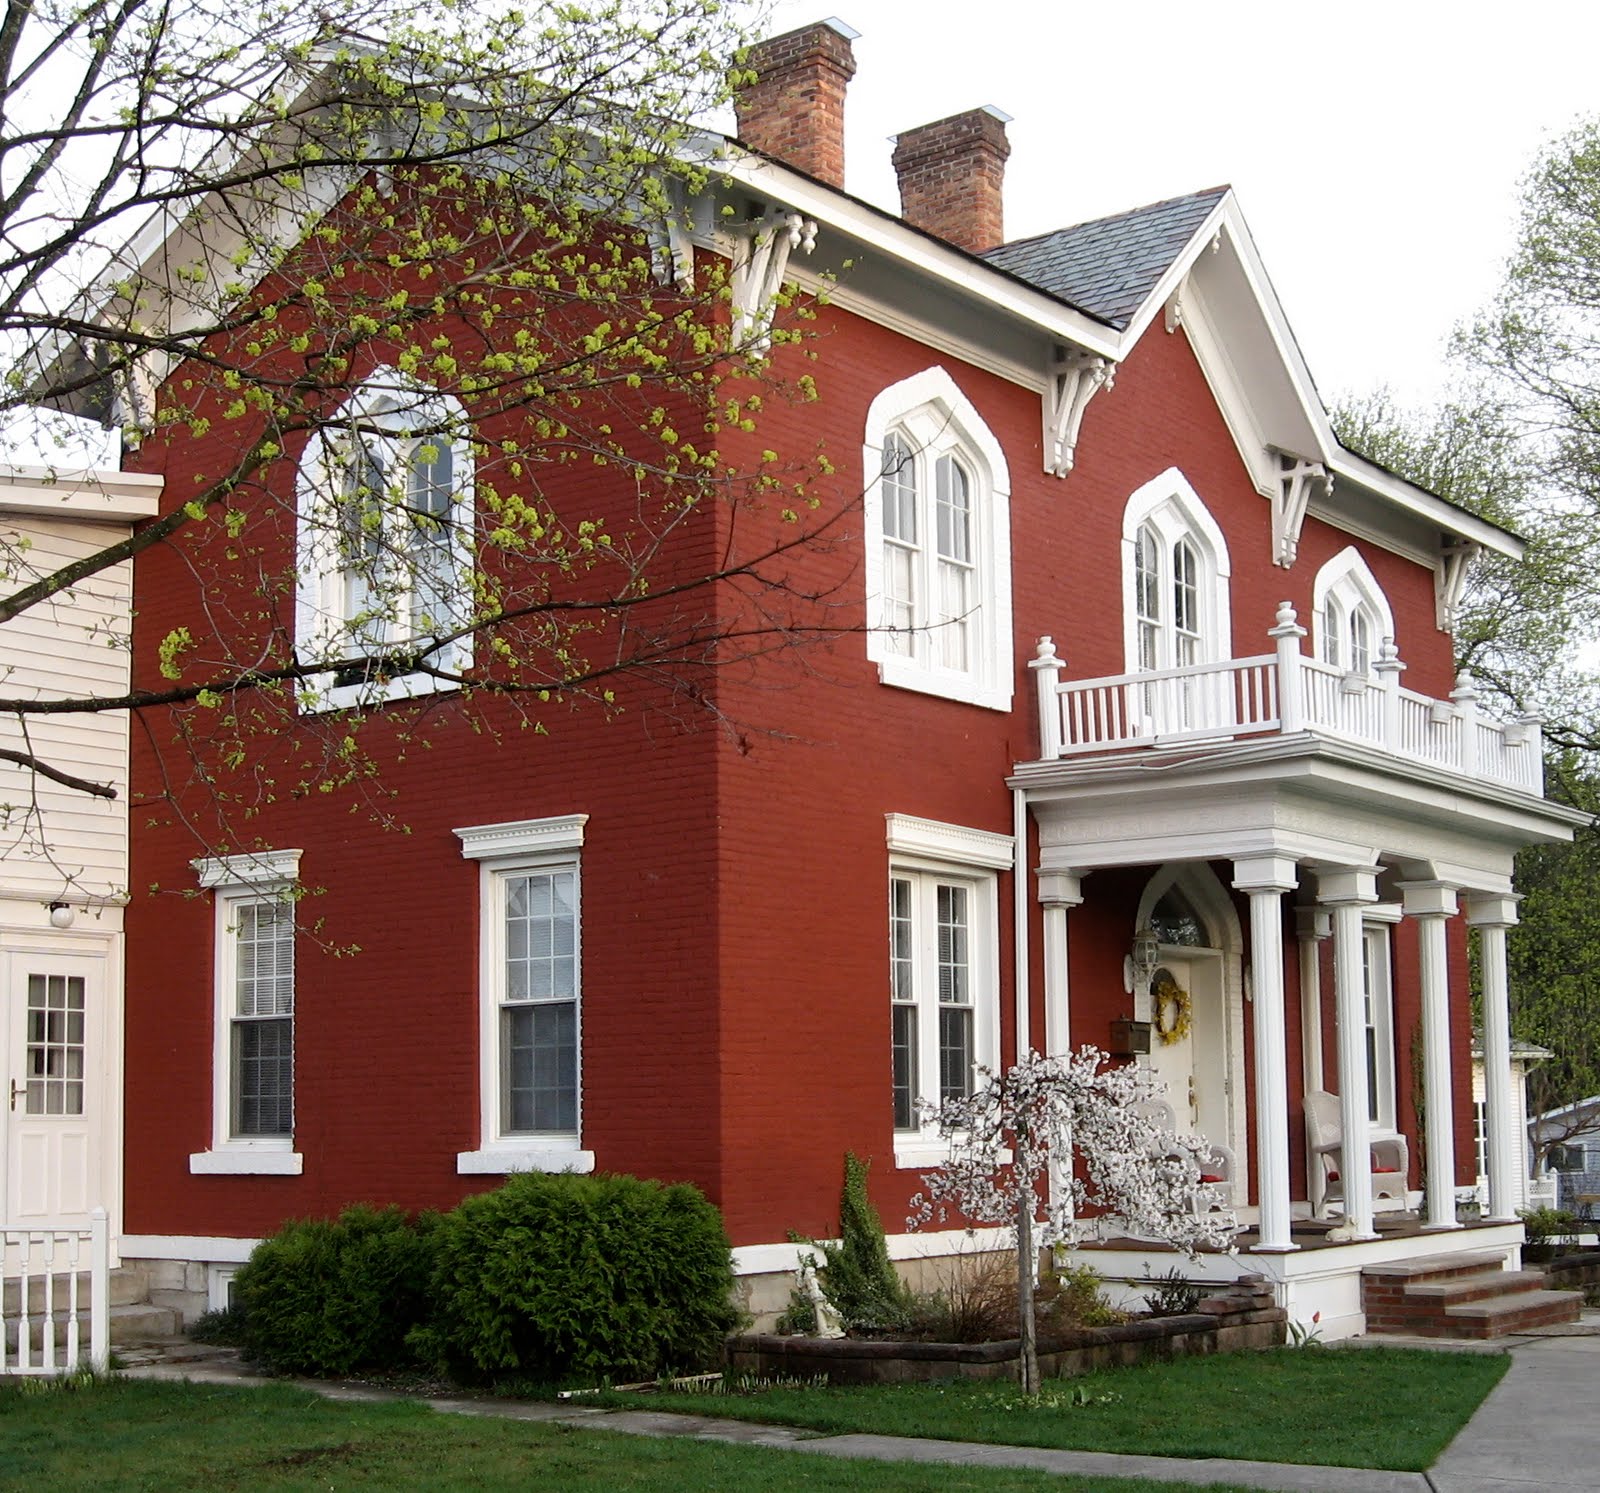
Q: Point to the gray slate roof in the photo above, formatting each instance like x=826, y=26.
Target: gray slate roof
x=1109, y=266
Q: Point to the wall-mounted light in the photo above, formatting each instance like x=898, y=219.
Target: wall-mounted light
x=1140, y=965
x=61, y=914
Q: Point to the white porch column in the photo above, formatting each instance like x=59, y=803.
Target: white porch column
x=1059, y=893
x=1431, y=904
x=1491, y=915
x=1266, y=878
x=1345, y=890
x=1311, y=926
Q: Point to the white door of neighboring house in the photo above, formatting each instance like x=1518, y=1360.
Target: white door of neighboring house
x=54, y=1118
x=1194, y=1065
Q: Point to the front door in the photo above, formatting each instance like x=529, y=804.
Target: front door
x=54, y=1027
x=1188, y=1048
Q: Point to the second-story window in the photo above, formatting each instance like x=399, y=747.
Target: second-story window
x=938, y=560
x=385, y=546
x=1351, y=615
x=1175, y=578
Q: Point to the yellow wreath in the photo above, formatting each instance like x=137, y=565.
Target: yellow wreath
x=1169, y=994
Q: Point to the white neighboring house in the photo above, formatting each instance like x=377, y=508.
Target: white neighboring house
x=1570, y=1169
x=64, y=852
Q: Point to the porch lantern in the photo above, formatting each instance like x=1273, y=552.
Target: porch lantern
x=1140, y=965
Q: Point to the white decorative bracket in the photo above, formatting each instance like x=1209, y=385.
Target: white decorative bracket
x=1450, y=580
x=133, y=407
x=1291, y=497
x=1174, y=315
x=759, y=265
x=1074, y=379
x=671, y=243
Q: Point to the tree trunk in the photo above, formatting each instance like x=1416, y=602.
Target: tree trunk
x=1028, y=1362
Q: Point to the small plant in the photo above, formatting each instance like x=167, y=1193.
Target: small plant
x=225, y=1327
x=1306, y=1334
x=1072, y=1296
x=974, y=1302
x=1073, y=1397
x=856, y=1272
x=1549, y=1226
x=1175, y=1295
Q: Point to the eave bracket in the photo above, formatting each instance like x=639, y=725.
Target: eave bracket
x=1075, y=378
x=1291, y=496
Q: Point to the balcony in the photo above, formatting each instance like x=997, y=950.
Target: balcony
x=1282, y=693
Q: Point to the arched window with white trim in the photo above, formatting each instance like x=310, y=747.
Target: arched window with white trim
x=1350, y=614
x=385, y=521
x=938, y=556
x=1175, y=574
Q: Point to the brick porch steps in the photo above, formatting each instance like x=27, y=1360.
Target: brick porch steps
x=1461, y=1296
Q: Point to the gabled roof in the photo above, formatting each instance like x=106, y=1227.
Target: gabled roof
x=1109, y=266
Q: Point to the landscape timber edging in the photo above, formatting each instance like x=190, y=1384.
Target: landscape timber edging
x=1243, y=1319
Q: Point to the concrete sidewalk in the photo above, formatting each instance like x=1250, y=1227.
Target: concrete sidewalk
x=1534, y=1432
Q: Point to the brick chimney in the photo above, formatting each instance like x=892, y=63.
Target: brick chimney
x=795, y=108
x=951, y=174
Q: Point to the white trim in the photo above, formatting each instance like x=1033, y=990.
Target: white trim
x=559, y=834
x=247, y=1159
x=219, y=1280
x=198, y=1247
x=770, y=1259
x=1348, y=579
x=505, y=1157
x=258, y=870
x=952, y=844
x=501, y=850
x=933, y=397
x=1170, y=503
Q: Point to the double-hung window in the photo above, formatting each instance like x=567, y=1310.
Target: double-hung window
x=938, y=559
x=530, y=979
x=385, y=546
x=942, y=971
x=253, y=1085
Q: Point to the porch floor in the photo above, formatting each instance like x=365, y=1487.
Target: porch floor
x=1311, y=1234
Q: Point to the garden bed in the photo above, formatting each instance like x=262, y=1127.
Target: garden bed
x=1242, y=1318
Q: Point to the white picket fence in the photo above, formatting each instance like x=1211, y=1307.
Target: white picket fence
x=55, y=1298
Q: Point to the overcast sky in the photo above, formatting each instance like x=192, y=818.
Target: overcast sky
x=1376, y=147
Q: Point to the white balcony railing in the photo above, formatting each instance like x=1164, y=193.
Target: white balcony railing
x=1282, y=692
x=55, y=1299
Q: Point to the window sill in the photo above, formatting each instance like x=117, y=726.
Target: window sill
x=524, y=1156
x=246, y=1161
x=914, y=1151
x=902, y=673
x=327, y=696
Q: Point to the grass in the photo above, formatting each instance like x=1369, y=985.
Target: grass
x=132, y=1435
x=1388, y=1408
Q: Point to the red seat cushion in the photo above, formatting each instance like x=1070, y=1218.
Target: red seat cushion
x=1210, y=1177
x=1376, y=1171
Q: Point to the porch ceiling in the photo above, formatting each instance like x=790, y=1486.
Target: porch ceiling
x=1315, y=800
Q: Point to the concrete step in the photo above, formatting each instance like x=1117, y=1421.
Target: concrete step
x=1432, y=1295
x=1435, y=1267
x=1496, y=1316
x=140, y=1323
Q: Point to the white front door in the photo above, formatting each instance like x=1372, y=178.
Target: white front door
x=1193, y=1063
x=54, y=1116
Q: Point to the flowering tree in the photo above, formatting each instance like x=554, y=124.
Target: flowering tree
x=1036, y=1120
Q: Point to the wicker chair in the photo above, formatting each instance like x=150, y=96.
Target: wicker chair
x=1391, y=1156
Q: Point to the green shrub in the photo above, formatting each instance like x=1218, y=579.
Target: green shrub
x=857, y=1274
x=223, y=1326
x=329, y=1296
x=1071, y=1296
x=1175, y=1295
x=552, y=1277
x=1549, y=1225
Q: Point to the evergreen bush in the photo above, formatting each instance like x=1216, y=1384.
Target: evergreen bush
x=857, y=1274
x=552, y=1277
x=330, y=1296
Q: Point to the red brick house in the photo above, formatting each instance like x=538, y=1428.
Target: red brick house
x=1109, y=738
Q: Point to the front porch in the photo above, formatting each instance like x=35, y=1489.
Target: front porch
x=1280, y=805
x=1318, y=1280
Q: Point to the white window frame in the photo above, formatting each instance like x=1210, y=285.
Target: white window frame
x=387, y=401
x=930, y=852
x=1377, y=946
x=1345, y=589
x=240, y=880
x=938, y=422
x=518, y=847
x=1171, y=510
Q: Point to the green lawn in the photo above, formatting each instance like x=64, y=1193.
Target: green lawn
x=1388, y=1408
x=131, y=1435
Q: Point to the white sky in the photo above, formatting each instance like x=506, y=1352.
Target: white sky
x=1376, y=147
